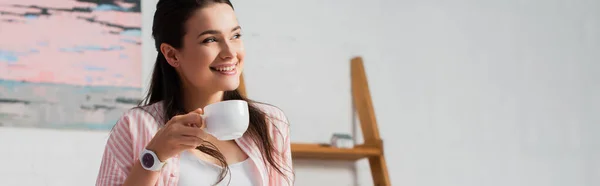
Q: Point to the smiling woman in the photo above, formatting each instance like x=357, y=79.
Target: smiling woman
x=162, y=142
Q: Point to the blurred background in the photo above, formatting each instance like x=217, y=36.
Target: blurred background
x=466, y=93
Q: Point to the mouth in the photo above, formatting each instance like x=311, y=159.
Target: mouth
x=226, y=69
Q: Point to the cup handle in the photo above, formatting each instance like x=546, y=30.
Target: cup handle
x=205, y=128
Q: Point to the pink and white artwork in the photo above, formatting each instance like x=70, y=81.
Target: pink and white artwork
x=68, y=64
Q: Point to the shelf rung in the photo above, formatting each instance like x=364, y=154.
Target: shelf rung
x=323, y=152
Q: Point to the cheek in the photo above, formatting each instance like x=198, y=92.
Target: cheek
x=195, y=63
x=241, y=54
x=198, y=57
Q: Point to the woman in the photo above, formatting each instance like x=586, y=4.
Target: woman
x=200, y=58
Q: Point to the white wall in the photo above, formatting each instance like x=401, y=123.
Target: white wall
x=490, y=92
x=466, y=93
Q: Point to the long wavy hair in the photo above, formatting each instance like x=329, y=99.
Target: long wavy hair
x=169, y=27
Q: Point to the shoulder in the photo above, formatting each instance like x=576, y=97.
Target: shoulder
x=139, y=122
x=276, y=118
x=143, y=114
x=273, y=113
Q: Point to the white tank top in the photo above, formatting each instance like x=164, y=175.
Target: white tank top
x=197, y=172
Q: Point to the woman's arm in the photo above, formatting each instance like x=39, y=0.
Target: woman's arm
x=114, y=174
x=283, y=125
x=141, y=176
x=287, y=154
x=118, y=166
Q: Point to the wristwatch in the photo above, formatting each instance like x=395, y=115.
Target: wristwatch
x=150, y=161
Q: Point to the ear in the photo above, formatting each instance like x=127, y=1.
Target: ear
x=170, y=54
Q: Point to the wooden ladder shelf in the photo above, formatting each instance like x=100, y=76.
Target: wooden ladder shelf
x=372, y=148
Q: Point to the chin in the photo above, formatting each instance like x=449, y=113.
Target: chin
x=230, y=86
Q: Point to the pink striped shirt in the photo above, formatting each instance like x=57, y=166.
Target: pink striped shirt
x=137, y=127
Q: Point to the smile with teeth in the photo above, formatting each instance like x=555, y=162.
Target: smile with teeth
x=225, y=68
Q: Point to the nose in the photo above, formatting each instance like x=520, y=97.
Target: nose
x=228, y=51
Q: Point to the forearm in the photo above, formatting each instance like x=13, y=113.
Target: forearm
x=141, y=177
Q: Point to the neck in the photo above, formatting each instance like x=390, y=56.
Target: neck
x=195, y=99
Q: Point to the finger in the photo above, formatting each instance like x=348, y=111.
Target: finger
x=199, y=124
x=185, y=147
x=199, y=111
x=196, y=125
x=202, y=122
x=192, y=131
x=190, y=141
x=191, y=117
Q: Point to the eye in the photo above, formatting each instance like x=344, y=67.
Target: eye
x=209, y=40
x=237, y=36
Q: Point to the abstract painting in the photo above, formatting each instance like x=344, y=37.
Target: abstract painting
x=69, y=64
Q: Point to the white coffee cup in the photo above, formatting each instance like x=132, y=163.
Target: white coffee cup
x=226, y=120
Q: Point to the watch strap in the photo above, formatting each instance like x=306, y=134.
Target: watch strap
x=150, y=161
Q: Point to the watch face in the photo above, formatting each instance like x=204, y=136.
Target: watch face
x=148, y=160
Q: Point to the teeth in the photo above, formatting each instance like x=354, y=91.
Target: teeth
x=229, y=68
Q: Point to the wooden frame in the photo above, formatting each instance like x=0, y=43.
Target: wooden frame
x=372, y=148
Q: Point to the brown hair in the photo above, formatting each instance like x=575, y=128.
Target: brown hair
x=169, y=27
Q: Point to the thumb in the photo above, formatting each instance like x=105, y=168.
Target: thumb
x=200, y=112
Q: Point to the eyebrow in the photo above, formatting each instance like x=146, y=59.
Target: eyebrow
x=217, y=32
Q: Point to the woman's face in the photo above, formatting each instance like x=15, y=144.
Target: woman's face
x=212, y=55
